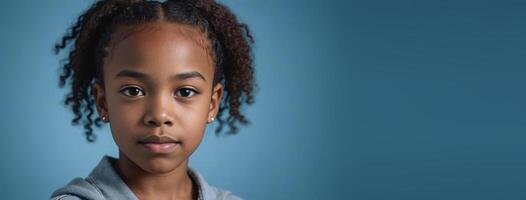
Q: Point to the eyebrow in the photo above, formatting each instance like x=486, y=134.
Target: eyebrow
x=176, y=77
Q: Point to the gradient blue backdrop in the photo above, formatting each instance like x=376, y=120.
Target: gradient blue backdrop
x=358, y=100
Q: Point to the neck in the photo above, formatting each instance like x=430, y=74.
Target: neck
x=175, y=184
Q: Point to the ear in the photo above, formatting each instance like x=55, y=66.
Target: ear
x=100, y=99
x=217, y=93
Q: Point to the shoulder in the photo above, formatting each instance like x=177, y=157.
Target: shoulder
x=208, y=192
x=77, y=189
x=102, y=183
x=66, y=197
x=221, y=194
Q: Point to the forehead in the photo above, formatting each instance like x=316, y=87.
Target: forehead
x=158, y=49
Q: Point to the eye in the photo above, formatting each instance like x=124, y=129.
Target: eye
x=132, y=91
x=185, y=92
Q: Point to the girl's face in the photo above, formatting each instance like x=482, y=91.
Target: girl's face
x=158, y=82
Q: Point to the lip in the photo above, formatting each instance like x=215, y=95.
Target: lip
x=159, y=139
x=161, y=148
x=160, y=144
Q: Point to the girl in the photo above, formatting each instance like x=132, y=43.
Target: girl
x=157, y=73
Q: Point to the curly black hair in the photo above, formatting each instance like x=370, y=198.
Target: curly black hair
x=86, y=40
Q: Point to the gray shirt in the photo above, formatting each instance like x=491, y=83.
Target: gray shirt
x=104, y=183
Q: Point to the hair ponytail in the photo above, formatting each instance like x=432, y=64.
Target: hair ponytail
x=236, y=59
x=85, y=34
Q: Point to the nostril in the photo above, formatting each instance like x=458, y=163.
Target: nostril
x=152, y=123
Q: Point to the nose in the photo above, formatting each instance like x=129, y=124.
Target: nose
x=159, y=112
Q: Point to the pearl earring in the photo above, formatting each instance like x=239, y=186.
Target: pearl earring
x=104, y=118
x=211, y=120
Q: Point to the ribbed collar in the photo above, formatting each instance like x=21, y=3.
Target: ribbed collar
x=111, y=186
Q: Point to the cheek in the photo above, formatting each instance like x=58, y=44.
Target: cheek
x=192, y=118
x=192, y=124
x=124, y=118
x=191, y=115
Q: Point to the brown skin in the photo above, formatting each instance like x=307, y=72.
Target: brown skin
x=157, y=104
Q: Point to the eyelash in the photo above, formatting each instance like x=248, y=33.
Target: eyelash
x=190, y=89
x=124, y=90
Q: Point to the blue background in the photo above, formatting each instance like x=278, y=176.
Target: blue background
x=358, y=100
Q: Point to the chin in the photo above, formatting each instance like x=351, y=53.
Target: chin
x=161, y=165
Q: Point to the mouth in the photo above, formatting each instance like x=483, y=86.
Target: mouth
x=160, y=144
x=161, y=148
